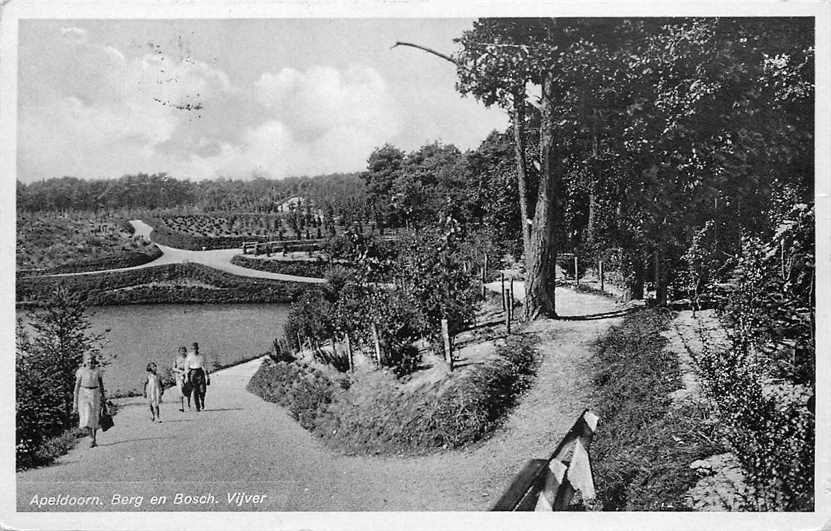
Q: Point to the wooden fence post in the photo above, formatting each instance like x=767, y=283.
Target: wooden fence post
x=484, y=275
x=510, y=299
x=377, y=344
x=448, y=352
x=602, y=284
x=502, y=291
x=576, y=274
x=349, y=353
x=508, y=321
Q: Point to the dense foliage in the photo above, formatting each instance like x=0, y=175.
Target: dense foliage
x=402, y=290
x=763, y=382
x=339, y=195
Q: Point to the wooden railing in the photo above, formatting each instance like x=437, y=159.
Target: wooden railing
x=276, y=246
x=550, y=484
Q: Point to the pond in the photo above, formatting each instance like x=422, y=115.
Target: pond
x=137, y=334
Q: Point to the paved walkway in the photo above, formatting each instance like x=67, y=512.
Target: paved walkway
x=218, y=259
x=243, y=444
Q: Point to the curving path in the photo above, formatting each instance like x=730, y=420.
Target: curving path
x=218, y=259
x=245, y=444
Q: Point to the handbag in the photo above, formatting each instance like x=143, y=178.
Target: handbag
x=105, y=420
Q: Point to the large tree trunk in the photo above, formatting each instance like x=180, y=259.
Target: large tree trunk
x=539, y=285
x=518, y=117
x=634, y=288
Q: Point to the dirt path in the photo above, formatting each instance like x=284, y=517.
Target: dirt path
x=245, y=444
x=218, y=259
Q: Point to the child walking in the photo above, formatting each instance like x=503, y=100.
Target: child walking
x=153, y=391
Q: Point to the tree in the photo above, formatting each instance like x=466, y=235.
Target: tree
x=383, y=168
x=498, y=60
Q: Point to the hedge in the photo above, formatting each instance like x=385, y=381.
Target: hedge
x=100, y=289
x=305, y=268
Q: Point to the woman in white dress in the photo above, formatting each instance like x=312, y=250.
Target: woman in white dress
x=89, y=395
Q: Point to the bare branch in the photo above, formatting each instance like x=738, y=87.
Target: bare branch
x=425, y=49
x=448, y=58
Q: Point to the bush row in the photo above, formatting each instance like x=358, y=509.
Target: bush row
x=165, y=235
x=644, y=445
x=304, y=268
x=99, y=289
x=375, y=414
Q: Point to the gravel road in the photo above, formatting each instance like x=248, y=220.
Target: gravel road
x=218, y=259
x=243, y=444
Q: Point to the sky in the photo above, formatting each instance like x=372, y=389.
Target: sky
x=201, y=99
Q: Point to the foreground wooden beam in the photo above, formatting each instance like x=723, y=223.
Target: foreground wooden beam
x=550, y=484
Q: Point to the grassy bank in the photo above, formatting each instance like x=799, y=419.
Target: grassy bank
x=373, y=413
x=644, y=445
x=168, y=284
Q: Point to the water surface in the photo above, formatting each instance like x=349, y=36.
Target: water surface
x=136, y=334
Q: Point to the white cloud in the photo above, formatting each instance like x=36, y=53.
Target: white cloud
x=89, y=111
x=321, y=99
x=94, y=113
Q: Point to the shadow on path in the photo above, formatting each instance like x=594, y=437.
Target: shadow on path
x=132, y=441
x=595, y=316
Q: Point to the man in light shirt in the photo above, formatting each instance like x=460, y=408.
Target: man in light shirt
x=197, y=374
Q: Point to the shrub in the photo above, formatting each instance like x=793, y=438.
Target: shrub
x=770, y=313
x=374, y=414
x=399, y=323
x=338, y=359
x=302, y=389
x=310, y=318
x=430, y=268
